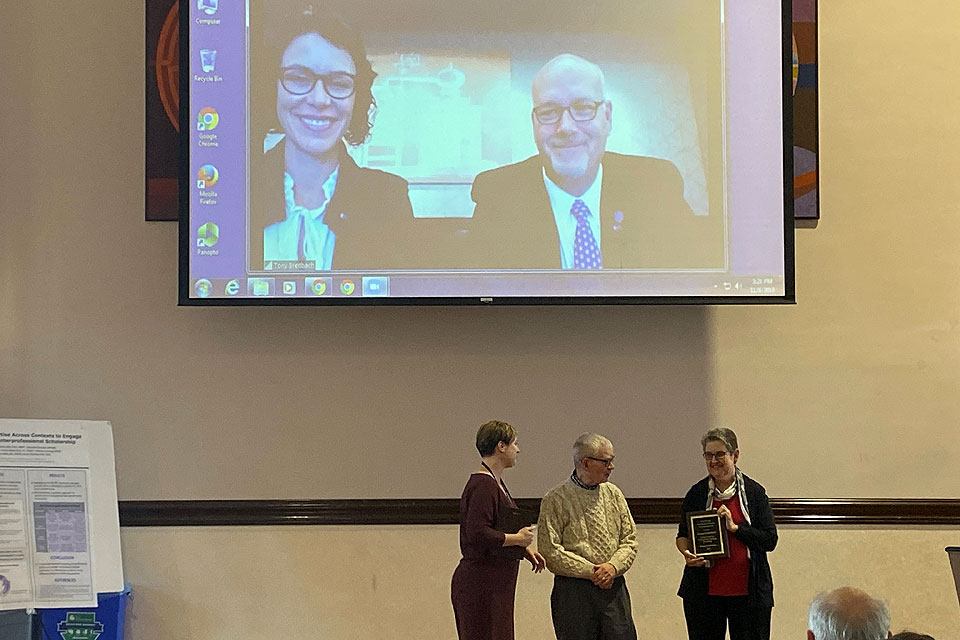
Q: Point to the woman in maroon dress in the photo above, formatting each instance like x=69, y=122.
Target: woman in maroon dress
x=485, y=581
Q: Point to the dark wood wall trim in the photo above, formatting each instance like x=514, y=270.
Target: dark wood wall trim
x=828, y=511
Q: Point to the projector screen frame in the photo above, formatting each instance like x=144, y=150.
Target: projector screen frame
x=186, y=181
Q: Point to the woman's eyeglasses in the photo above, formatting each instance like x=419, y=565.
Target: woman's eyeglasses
x=718, y=456
x=300, y=81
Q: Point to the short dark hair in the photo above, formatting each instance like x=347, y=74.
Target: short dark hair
x=492, y=433
x=329, y=27
x=911, y=635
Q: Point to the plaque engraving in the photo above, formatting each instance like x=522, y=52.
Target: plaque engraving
x=708, y=536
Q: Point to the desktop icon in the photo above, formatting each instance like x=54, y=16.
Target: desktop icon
x=376, y=285
x=347, y=287
x=289, y=288
x=203, y=287
x=208, y=234
x=207, y=176
x=208, y=59
x=209, y=7
x=207, y=119
x=318, y=286
x=232, y=288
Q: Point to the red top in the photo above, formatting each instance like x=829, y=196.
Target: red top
x=730, y=576
x=480, y=506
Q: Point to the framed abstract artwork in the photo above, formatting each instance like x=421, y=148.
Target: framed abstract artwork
x=162, y=105
x=806, y=170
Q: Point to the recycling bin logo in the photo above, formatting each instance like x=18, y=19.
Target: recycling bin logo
x=80, y=626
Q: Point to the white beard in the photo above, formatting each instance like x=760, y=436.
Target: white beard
x=571, y=167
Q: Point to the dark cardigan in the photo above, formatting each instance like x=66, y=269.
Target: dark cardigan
x=759, y=537
x=370, y=214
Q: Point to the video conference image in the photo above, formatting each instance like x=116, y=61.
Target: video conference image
x=447, y=150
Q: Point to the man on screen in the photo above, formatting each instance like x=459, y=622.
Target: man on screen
x=577, y=206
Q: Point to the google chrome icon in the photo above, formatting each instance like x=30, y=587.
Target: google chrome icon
x=207, y=119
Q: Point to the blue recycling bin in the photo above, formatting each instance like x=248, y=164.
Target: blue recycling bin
x=103, y=622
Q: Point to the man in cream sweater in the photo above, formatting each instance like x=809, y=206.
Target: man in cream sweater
x=588, y=537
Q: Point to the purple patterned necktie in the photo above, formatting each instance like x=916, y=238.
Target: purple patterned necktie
x=586, y=253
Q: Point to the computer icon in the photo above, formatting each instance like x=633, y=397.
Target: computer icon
x=208, y=7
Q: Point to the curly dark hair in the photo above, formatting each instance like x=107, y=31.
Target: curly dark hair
x=339, y=34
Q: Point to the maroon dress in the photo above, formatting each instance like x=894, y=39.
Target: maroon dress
x=485, y=581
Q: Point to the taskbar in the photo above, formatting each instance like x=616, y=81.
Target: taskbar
x=492, y=284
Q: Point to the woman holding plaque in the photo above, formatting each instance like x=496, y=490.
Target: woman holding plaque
x=733, y=586
x=494, y=536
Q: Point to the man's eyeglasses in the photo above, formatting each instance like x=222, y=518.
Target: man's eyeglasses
x=718, y=456
x=300, y=81
x=579, y=111
x=607, y=462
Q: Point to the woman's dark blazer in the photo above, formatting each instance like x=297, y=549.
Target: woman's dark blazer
x=760, y=537
x=370, y=213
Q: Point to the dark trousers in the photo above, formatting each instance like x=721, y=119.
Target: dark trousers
x=707, y=618
x=582, y=611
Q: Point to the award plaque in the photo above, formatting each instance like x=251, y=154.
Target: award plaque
x=512, y=520
x=707, y=534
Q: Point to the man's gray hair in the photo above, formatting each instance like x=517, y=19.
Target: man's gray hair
x=588, y=444
x=846, y=613
x=570, y=61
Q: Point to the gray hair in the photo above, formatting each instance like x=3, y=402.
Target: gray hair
x=568, y=60
x=846, y=613
x=720, y=434
x=586, y=444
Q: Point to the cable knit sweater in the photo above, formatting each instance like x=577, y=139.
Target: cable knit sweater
x=580, y=528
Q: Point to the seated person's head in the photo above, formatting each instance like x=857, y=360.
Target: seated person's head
x=910, y=635
x=847, y=613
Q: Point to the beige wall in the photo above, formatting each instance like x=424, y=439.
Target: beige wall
x=394, y=582
x=852, y=392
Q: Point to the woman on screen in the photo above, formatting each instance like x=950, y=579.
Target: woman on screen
x=312, y=207
x=736, y=589
x=493, y=537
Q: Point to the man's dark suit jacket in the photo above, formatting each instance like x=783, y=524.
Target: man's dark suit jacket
x=370, y=214
x=513, y=226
